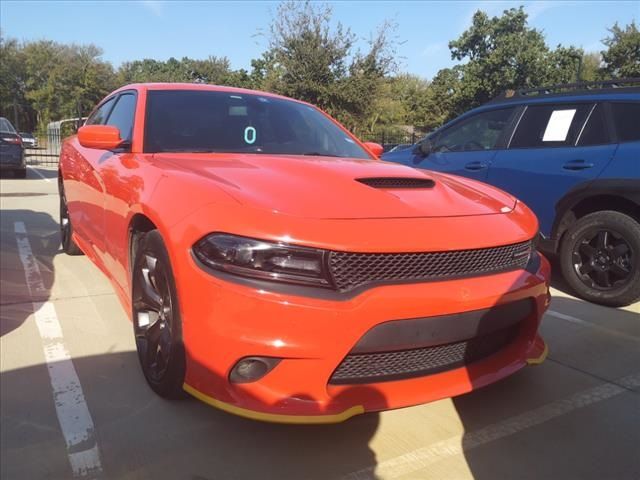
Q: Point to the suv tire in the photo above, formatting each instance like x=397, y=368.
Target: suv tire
x=600, y=258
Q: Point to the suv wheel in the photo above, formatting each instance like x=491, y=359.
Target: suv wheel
x=600, y=258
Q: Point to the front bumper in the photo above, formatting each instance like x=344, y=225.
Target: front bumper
x=224, y=321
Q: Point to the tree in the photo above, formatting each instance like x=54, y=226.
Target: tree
x=590, y=67
x=504, y=53
x=13, y=103
x=622, y=56
x=310, y=60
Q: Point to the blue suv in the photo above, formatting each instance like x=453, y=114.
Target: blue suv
x=572, y=154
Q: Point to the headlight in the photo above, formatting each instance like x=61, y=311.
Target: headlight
x=253, y=258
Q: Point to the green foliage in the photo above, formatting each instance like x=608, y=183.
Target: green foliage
x=504, y=53
x=622, y=57
x=310, y=57
x=309, y=60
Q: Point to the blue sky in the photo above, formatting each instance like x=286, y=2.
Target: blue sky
x=128, y=30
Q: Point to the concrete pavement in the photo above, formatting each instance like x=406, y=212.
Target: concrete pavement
x=577, y=416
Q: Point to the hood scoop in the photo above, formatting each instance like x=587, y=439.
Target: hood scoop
x=397, y=182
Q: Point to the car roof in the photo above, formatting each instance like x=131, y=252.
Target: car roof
x=200, y=87
x=599, y=96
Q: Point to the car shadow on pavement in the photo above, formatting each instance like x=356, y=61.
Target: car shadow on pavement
x=44, y=241
x=143, y=436
x=525, y=426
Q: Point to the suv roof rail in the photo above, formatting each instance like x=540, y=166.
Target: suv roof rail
x=580, y=88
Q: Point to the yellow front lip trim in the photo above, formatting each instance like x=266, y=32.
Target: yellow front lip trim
x=274, y=417
x=541, y=358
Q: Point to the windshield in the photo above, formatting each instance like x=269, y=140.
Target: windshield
x=5, y=126
x=211, y=121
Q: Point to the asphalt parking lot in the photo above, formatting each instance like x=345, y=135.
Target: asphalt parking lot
x=73, y=399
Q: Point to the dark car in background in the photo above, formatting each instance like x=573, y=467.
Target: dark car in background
x=572, y=154
x=29, y=140
x=11, y=150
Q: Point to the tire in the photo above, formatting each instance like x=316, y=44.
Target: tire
x=66, y=229
x=22, y=173
x=157, y=323
x=603, y=267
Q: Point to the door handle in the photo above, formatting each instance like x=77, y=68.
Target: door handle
x=577, y=165
x=475, y=166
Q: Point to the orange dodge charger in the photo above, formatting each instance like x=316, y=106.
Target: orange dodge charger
x=276, y=269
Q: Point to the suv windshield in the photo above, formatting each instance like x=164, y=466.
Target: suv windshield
x=212, y=121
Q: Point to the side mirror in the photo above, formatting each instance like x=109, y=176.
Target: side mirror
x=103, y=137
x=374, y=148
x=424, y=148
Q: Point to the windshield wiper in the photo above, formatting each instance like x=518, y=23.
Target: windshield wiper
x=318, y=154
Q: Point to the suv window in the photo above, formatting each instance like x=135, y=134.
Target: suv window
x=100, y=115
x=122, y=115
x=479, y=132
x=625, y=117
x=550, y=126
x=595, y=131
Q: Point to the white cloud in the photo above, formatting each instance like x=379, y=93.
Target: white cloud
x=433, y=48
x=154, y=6
x=535, y=9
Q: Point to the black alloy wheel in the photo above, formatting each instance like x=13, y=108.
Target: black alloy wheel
x=156, y=318
x=66, y=230
x=600, y=258
x=603, y=259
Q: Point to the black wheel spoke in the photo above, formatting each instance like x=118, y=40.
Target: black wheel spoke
x=620, y=271
x=603, y=239
x=585, y=268
x=603, y=279
x=149, y=291
x=587, y=250
x=153, y=315
x=619, y=250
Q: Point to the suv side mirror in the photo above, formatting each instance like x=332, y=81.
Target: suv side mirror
x=424, y=148
x=103, y=137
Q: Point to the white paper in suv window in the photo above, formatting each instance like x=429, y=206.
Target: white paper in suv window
x=558, y=126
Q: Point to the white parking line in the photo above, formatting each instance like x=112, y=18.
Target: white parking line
x=593, y=326
x=424, y=457
x=40, y=174
x=72, y=410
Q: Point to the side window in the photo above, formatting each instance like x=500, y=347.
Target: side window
x=625, y=118
x=122, y=115
x=100, y=115
x=595, y=132
x=550, y=126
x=479, y=132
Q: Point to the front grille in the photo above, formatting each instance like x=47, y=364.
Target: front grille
x=397, y=182
x=351, y=270
x=386, y=366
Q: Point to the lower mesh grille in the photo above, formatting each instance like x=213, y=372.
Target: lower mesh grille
x=385, y=366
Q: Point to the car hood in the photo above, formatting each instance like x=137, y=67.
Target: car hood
x=333, y=188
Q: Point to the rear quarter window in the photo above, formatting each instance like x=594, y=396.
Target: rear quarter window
x=626, y=118
x=595, y=132
x=550, y=125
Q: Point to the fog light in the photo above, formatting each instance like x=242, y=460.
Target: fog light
x=250, y=369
